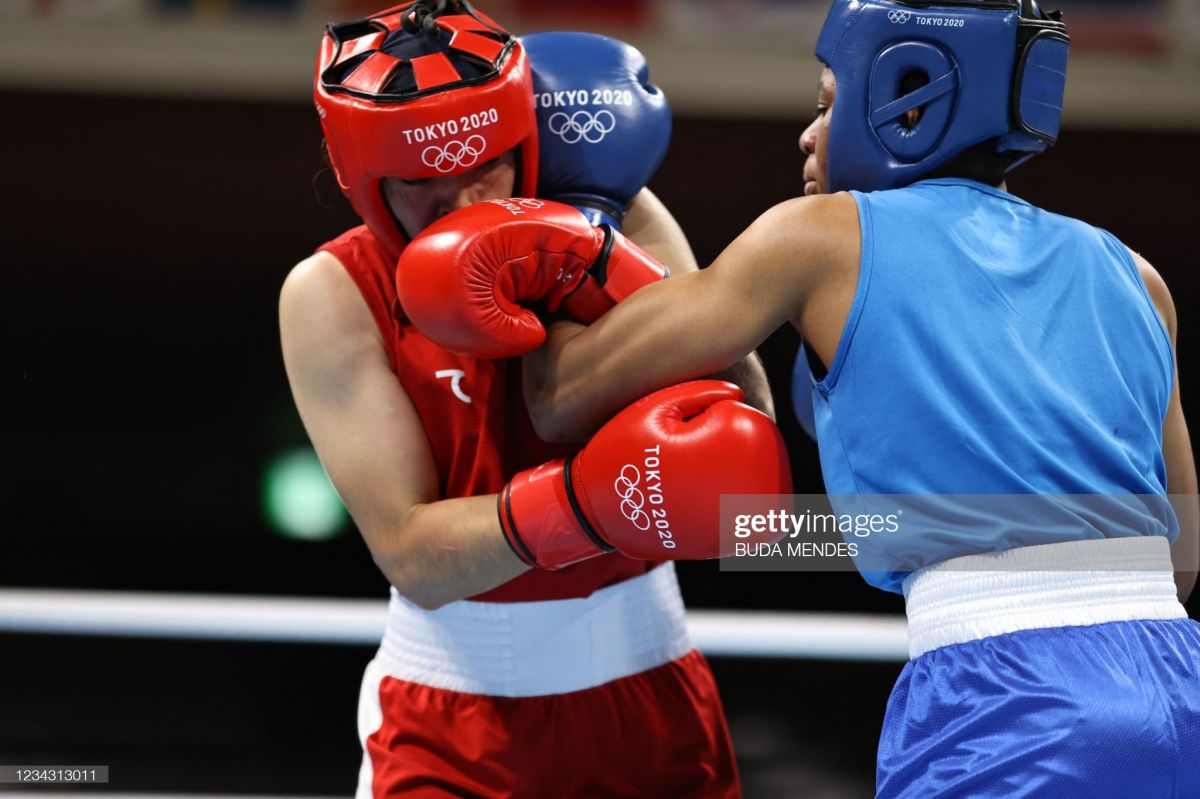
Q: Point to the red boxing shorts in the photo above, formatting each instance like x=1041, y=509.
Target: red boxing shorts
x=602, y=696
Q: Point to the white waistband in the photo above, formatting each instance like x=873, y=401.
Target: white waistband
x=1053, y=585
x=537, y=648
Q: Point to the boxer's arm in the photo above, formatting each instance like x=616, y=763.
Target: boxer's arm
x=1181, y=482
x=701, y=323
x=650, y=225
x=373, y=446
x=1177, y=450
x=750, y=374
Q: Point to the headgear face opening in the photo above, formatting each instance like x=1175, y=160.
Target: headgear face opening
x=991, y=69
x=422, y=90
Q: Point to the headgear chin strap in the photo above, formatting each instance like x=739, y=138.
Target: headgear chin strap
x=422, y=90
x=990, y=69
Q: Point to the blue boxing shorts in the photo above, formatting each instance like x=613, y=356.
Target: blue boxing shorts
x=1080, y=681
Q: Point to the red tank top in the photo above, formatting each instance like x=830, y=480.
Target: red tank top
x=474, y=416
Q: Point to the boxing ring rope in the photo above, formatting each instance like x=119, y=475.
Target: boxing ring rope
x=748, y=634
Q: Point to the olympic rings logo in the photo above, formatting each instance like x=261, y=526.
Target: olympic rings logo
x=582, y=125
x=518, y=205
x=632, y=498
x=899, y=17
x=454, y=155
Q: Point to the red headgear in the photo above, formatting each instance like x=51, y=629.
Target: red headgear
x=419, y=92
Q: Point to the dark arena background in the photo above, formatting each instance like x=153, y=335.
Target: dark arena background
x=162, y=173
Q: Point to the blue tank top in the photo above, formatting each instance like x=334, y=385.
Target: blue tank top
x=992, y=348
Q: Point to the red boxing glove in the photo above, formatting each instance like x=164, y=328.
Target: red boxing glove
x=649, y=483
x=466, y=280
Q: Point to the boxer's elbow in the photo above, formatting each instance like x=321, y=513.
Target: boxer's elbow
x=556, y=401
x=426, y=597
x=423, y=590
x=1185, y=552
x=1184, y=583
x=558, y=417
x=558, y=429
x=403, y=559
x=750, y=376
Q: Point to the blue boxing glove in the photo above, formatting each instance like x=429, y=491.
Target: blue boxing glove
x=603, y=129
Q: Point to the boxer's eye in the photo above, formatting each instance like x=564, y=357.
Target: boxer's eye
x=415, y=181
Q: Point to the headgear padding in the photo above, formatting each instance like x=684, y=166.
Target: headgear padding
x=419, y=92
x=990, y=69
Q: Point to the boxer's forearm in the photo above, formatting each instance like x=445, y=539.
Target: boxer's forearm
x=664, y=334
x=553, y=423
x=444, y=551
x=688, y=327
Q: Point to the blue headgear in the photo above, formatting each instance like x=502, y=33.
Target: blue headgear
x=995, y=69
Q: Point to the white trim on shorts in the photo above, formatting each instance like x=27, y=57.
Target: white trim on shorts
x=518, y=649
x=1052, y=585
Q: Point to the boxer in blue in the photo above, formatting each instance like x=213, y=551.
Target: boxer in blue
x=967, y=342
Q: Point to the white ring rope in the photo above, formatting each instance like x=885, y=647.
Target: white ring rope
x=824, y=636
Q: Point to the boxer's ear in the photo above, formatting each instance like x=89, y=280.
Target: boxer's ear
x=908, y=84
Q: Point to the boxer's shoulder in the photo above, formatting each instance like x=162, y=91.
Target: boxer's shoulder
x=320, y=301
x=819, y=221
x=807, y=238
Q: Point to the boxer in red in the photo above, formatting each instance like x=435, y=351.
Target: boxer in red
x=523, y=656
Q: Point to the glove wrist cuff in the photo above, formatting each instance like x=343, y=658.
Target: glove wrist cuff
x=597, y=209
x=541, y=520
x=620, y=268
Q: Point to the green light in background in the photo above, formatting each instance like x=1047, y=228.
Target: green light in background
x=298, y=499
